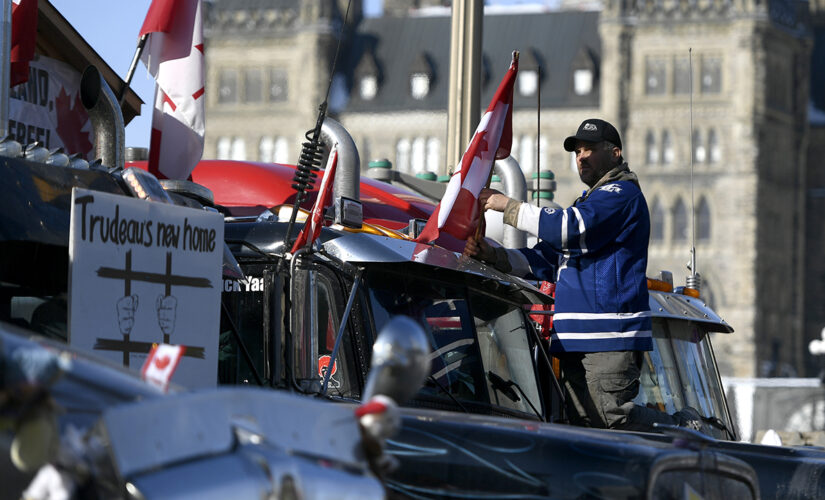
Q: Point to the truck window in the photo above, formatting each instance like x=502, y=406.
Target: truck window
x=245, y=302
x=481, y=353
x=318, y=302
x=680, y=371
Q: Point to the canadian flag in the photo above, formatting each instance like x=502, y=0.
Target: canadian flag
x=23, y=38
x=161, y=364
x=458, y=213
x=315, y=221
x=174, y=57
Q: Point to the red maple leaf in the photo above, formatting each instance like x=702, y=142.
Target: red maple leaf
x=70, y=121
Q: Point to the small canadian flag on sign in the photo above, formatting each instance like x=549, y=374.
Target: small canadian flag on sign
x=161, y=364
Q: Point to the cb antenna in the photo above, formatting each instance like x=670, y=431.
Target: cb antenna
x=311, y=153
x=538, y=137
x=693, y=281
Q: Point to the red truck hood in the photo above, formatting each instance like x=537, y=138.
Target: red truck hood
x=248, y=188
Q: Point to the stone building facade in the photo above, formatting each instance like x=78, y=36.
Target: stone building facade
x=724, y=86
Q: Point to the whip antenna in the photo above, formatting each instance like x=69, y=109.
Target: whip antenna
x=538, y=138
x=693, y=280
x=311, y=153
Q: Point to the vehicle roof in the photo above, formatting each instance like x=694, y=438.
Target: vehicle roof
x=372, y=249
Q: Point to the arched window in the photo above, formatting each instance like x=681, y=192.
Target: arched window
x=281, y=154
x=657, y=221
x=238, y=150
x=698, y=148
x=266, y=149
x=433, y=155
x=703, y=220
x=679, y=216
x=528, y=82
x=419, y=85
x=652, y=155
x=713, y=147
x=419, y=148
x=667, y=148
x=224, y=144
x=369, y=87
x=583, y=81
x=402, y=155
x=527, y=155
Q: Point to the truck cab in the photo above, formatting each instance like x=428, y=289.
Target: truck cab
x=488, y=351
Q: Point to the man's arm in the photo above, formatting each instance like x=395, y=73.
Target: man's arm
x=579, y=229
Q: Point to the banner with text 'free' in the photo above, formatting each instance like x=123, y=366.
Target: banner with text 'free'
x=144, y=273
x=47, y=109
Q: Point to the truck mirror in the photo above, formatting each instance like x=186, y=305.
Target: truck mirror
x=400, y=361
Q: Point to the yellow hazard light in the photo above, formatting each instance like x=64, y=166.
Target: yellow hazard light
x=659, y=285
x=690, y=292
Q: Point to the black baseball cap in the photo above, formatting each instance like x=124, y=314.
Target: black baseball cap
x=594, y=130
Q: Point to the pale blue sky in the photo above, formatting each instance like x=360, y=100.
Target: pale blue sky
x=111, y=28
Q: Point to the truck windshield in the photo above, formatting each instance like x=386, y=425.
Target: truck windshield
x=481, y=354
x=681, y=371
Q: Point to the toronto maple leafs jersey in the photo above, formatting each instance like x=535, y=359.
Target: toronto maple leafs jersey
x=596, y=252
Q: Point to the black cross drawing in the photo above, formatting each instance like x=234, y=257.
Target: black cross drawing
x=128, y=275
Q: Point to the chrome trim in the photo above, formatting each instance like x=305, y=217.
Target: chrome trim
x=188, y=188
x=107, y=119
x=348, y=173
x=153, y=434
x=674, y=305
x=515, y=186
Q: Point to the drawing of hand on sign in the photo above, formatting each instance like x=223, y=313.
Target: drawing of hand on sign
x=126, y=307
x=166, y=306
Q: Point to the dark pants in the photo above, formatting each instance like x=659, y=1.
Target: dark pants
x=600, y=389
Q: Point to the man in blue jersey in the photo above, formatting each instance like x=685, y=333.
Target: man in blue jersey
x=596, y=253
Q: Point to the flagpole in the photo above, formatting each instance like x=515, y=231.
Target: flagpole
x=138, y=51
x=5, y=65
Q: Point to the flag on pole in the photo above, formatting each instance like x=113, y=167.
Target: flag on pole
x=23, y=38
x=173, y=55
x=161, y=363
x=458, y=213
x=312, y=227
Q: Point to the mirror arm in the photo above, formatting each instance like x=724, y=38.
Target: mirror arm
x=556, y=384
x=341, y=329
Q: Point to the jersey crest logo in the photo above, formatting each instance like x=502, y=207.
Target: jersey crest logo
x=611, y=188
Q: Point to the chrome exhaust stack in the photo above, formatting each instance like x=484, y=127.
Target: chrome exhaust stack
x=107, y=119
x=346, y=188
x=515, y=187
x=348, y=173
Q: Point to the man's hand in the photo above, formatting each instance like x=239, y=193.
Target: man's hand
x=490, y=199
x=478, y=248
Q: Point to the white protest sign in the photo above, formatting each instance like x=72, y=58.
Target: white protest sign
x=144, y=273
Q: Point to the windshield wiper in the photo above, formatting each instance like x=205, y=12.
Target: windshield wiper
x=719, y=424
x=445, y=391
x=506, y=387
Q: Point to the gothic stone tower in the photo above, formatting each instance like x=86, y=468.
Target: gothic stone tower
x=268, y=64
x=749, y=62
